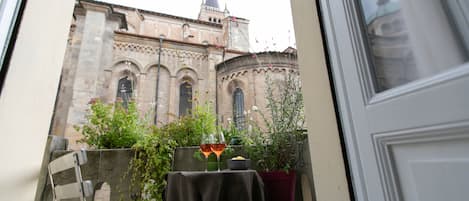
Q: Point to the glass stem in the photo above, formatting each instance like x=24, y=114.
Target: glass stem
x=218, y=162
x=206, y=164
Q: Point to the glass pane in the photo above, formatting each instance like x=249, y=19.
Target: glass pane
x=185, y=99
x=124, y=91
x=238, y=108
x=8, y=14
x=413, y=39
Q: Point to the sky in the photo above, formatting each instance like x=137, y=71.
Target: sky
x=370, y=6
x=270, y=27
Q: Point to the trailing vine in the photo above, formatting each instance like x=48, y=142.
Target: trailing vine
x=150, y=164
x=116, y=126
x=154, y=152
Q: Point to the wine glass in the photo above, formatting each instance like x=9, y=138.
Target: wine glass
x=218, y=146
x=205, y=147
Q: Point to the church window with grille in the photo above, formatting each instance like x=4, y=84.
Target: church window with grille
x=124, y=91
x=185, y=99
x=238, y=108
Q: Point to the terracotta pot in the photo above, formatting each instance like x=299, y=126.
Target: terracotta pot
x=279, y=185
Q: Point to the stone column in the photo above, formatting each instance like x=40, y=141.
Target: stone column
x=214, y=58
x=89, y=65
x=85, y=85
x=173, y=104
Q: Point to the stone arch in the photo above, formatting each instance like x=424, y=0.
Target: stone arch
x=186, y=33
x=235, y=83
x=189, y=72
x=137, y=67
x=148, y=67
x=225, y=100
x=120, y=70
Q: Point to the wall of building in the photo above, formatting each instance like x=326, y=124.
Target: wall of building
x=28, y=96
x=178, y=63
x=88, y=52
x=175, y=28
x=99, y=53
x=249, y=73
x=330, y=181
x=236, y=33
x=67, y=78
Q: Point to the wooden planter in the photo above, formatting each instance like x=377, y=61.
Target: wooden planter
x=279, y=185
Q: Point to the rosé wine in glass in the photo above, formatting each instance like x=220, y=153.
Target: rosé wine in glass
x=218, y=146
x=206, y=149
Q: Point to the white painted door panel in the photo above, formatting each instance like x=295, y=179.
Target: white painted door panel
x=433, y=176
x=401, y=77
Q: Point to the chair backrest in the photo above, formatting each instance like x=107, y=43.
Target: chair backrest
x=79, y=189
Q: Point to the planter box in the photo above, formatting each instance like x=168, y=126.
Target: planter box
x=279, y=185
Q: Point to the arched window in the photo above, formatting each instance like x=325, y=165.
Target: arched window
x=185, y=31
x=185, y=99
x=238, y=108
x=124, y=90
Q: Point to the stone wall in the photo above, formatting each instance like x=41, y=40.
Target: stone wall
x=249, y=73
x=89, y=50
x=101, y=51
x=154, y=24
x=236, y=33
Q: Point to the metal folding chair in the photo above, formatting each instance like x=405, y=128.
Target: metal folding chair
x=79, y=189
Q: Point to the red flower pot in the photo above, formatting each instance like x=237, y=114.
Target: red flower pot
x=279, y=185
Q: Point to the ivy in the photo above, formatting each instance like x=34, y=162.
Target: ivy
x=150, y=164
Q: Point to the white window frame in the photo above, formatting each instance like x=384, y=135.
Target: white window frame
x=9, y=10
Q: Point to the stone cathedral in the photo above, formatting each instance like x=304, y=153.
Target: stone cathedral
x=161, y=62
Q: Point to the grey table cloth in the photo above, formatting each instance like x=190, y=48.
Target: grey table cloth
x=241, y=185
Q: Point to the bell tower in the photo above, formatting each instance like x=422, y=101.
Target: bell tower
x=210, y=12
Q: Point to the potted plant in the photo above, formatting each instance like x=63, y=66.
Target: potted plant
x=111, y=126
x=111, y=132
x=274, y=148
x=232, y=134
